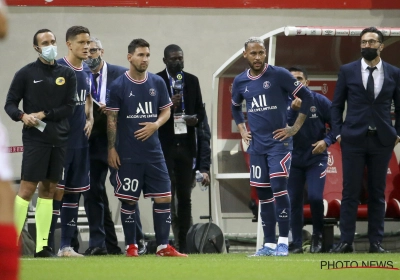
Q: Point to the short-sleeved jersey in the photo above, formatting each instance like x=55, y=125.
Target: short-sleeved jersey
x=313, y=130
x=137, y=102
x=77, y=138
x=266, y=97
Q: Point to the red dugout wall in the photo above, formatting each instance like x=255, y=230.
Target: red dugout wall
x=250, y=4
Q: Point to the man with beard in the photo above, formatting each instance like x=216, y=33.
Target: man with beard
x=138, y=104
x=367, y=136
x=102, y=239
x=178, y=136
x=266, y=90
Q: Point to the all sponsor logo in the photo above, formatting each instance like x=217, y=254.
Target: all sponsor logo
x=260, y=104
x=80, y=98
x=143, y=111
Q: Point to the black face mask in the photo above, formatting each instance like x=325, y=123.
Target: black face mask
x=369, y=53
x=93, y=63
x=175, y=67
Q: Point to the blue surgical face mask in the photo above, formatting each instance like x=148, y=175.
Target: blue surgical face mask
x=49, y=53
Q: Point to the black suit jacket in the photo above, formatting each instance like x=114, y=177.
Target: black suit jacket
x=360, y=109
x=98, y=137
x=193, y=105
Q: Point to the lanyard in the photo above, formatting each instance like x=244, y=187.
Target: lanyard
x=179, y=76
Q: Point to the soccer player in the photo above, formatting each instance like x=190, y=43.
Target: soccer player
x=266, y=88
x=48, y=91
x=75, y=177
x=309, y=161
x=139, y=102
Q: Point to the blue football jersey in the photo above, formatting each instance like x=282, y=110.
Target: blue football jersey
x=313, y=130
x=137, y=102
x=266, y=97
x=77, y=138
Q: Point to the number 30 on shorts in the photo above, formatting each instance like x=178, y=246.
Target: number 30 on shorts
x=130, y=184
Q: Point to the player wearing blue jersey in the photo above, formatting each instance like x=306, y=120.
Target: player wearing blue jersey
x=309, y=162
x=75, y=177
x=265, y=89
x=139, y=102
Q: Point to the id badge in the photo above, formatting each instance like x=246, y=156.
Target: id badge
x=179, y=124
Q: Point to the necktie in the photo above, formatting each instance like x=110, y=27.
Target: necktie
x=371, y=93
x=370, y=84
x=96, y=94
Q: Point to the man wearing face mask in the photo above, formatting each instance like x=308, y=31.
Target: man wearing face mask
x=367, y=136
x=103, y=238
x=48, y=92
x=178, y=137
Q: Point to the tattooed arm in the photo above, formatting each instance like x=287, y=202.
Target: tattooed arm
x=289, y=131
x=113, y=158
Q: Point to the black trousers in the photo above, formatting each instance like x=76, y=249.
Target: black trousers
x=180, y=164
x=371, y=154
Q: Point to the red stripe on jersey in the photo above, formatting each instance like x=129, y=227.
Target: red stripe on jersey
x=72, y=66
x=323, y=174
x=259, y=75
x=285, y=172
x=297, y=90
x=134, y=81
x=165, y=106
x=234, y=103
x=112, y=109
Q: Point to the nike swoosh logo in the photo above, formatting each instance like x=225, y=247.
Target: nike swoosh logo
x=35, y=82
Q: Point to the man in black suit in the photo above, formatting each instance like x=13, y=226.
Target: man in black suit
x=367, y=136
x=103, y=239
x=178, y=136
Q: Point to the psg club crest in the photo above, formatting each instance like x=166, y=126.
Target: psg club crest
x=313, y=109
x=324, y=88
x=152, y=92
x=266, y=85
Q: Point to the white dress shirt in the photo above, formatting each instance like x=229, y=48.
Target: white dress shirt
x=377, y=74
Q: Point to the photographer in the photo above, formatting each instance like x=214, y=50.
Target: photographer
x=178, y=136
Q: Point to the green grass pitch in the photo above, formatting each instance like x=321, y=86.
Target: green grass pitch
x=224, y=266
